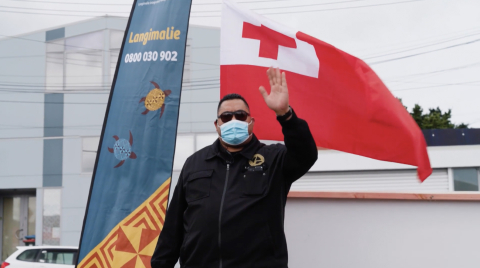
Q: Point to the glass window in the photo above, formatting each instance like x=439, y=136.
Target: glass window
x=51, y=216
x=113, y=62
x=56, y=46
x=89, y=153
x=32, y=210
x=54, y=71
x=83, y=70
x=28, y=255
x=116, y=38
x=88, y=161
x=57, y=256
x=187, y=65
x=11, y=224
x=85, y=42
x=81, y=63
x=465, y=179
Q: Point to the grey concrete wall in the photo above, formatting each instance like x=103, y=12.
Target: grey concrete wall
x=382, y=233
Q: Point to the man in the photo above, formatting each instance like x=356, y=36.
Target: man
x=228, y=206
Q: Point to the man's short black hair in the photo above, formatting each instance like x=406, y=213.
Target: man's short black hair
x=232, y=96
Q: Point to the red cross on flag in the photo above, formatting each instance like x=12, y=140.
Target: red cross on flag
x=346, y=105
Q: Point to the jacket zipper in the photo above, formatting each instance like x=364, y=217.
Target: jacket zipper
x=220, y=216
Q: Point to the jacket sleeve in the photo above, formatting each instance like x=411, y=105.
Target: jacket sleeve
x=167, y=251
x=301, y=151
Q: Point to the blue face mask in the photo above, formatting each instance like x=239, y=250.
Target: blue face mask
x=235, y=132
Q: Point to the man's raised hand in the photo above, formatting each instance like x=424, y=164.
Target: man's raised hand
x=277, y=100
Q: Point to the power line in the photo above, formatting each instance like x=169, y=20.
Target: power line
x=77, y=3
x=204, y=63
x=396, y=45
x=422, y=46
x=105, y=90
x=425, y=52
x=97, y=91
x=11, y=127
x=472, y=83
x=89, y=103
x=49, y=14
x=64, y=45
x=39, y=76
x=64, y=10
x=188, y=82
x=319, y=10
x=288, y=12
x=441, y=85
x=247, y=2
x=70, y=3
x=439, y=71
x=267, y=8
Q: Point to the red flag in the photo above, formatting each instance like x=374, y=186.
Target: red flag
x=346, y=105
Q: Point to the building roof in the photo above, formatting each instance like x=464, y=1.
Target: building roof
x=449, y=137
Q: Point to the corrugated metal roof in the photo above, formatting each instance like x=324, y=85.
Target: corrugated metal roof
x=373, y=181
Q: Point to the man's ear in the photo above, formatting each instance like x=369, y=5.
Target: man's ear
x=251, y=124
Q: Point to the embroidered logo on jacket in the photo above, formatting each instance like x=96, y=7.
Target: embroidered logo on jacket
x=257, y=160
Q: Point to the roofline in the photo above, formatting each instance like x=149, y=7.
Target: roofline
x=47, y=246
x=204, y=26
x=62, y=26
x=86, y=20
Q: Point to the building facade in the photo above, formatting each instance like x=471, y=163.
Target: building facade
x=54, y=91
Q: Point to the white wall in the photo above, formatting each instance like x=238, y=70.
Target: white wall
x=21, y=163
x=382, y=233
x=76, y=186
x=201, y=93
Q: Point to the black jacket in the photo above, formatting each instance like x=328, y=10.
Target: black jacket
x=228, y=211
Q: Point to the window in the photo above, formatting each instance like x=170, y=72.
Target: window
x=58, y=256
x=28, y=255
x=76, y=63
x=465, y=179
x=51, y=216
x=54, y=65
x=89, y=153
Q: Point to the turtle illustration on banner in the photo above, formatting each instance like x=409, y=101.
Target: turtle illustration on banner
x=155, y=99
x=122, y=149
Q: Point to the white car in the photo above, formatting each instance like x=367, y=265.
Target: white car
x=42, y=257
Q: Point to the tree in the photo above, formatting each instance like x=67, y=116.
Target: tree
x=434, y=119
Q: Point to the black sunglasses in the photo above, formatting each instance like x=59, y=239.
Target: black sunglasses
x=239, y=115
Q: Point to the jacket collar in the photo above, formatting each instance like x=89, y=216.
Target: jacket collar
x=216, y=149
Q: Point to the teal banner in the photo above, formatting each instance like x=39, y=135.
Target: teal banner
x=131, y=179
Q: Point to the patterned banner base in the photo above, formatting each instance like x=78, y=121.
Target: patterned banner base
x=132, y=242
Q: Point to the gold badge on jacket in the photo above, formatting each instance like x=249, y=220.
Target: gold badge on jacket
x=257, y=160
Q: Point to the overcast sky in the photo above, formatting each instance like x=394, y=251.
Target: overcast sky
x=426, y=51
